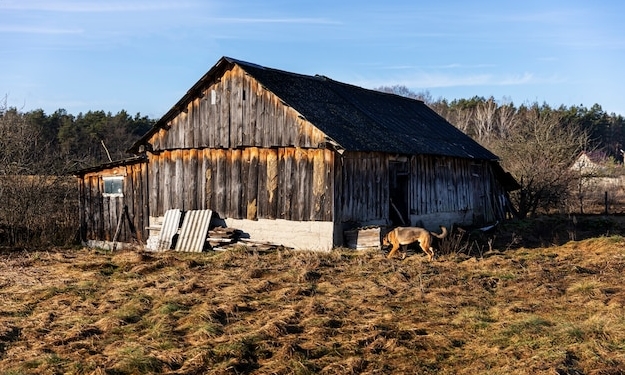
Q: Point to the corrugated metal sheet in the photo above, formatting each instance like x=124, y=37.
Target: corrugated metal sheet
x=194, y=230
x=171, y=222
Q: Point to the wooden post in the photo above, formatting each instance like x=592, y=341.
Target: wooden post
x=605, y=199
x=119, y=227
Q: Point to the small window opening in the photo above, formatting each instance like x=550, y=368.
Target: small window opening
x=113, y=186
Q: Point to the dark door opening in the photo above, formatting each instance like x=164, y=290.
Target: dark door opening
x=399, y=182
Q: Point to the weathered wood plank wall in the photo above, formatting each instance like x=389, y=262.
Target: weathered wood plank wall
x=238, y=150
x=276, y=183
x=100, y=214
x=363, y=194
x=444, y=184
x=436, y=185
x=237, y=112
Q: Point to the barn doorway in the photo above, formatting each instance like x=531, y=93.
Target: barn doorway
x=399, y=182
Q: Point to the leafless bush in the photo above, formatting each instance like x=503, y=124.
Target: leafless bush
x=39, y=205
x=37, y=210
x=472, y=243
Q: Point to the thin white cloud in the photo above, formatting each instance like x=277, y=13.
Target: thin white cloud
x=430, y=67
x=522, y=79
x=527, y=78
x=550, y=17
x=37, y=30
x=431, y=80
x=311, y=21
x=92, y=6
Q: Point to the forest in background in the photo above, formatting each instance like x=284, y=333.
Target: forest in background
x=537, y=144
x=35, y=143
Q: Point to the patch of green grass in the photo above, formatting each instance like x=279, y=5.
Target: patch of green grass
x=477, y=319
x=135, y=360
x=108, y=269
x=209, y=330
x=172, y=307
x=575, y=334
x=532, y=332
x=302, y=367
x=133, y=310
x=533, y=325
x=86, y=290
x=508, y=276
x=32, y=364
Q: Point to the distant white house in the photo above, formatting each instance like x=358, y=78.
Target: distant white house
x=590, y=164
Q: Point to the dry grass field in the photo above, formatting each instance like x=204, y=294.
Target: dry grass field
x=524, y=310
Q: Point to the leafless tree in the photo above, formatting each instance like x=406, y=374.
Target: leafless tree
x=402, y=90
x=506, y=119
x=463, y=119
x=539, y=151
x=485, y=119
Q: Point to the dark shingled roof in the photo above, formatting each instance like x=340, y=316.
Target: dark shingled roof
x=357, y=119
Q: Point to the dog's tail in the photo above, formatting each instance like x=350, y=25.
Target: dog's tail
x=443, y=233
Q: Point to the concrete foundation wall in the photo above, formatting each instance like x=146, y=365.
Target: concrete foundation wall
x=108, y=245
x=301, y=235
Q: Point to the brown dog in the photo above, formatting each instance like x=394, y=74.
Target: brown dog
x=404, y=236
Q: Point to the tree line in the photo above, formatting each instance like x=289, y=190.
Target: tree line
x=33, y=143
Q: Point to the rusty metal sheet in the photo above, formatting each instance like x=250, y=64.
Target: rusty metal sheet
x=171, y=222
x=194, y=230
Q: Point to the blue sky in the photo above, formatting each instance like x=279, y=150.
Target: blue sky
x=142, y=55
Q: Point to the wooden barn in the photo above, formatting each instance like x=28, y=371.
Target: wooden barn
x=296, y=160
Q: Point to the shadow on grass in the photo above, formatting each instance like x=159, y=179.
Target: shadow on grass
x=538, y=232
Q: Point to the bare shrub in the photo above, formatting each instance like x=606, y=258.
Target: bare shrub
x=39, y=204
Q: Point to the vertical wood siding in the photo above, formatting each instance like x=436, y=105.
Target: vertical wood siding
x=363, y=192
x=99, y=214
x=251, y=183
x=238, y=150
x=244, y=114
x=436, y=185
x=444, y=184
